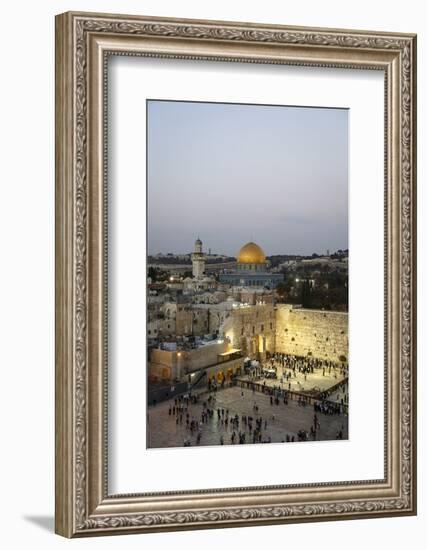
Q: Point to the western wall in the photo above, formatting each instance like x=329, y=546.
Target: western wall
x=322, y=334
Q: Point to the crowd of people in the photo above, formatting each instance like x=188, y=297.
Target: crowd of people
x=233, y=428
x=278, y=394
x=241, y=428
x=292, y=365
x=339, y=394
x=292, y=372
x=306, y=364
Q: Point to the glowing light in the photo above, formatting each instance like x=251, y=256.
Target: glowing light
x=251, y=253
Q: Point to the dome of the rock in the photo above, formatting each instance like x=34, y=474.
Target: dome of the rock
x=251, y=253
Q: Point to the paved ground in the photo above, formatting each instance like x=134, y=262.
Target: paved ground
x=163, y=431
x=302, y=382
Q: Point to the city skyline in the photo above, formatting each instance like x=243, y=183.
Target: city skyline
x=233, y=173
x=212, y=252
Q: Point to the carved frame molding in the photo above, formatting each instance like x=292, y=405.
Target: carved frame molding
x=83, y=43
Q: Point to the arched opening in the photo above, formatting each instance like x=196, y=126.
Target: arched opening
x=220, y=376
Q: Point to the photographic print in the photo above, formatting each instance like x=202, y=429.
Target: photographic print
x=247, y=279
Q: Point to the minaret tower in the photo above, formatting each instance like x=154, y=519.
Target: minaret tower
x=199, y=259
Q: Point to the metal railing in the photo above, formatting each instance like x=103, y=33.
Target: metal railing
x=290, y=394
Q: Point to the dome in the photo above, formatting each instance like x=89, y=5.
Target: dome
x=251, y=253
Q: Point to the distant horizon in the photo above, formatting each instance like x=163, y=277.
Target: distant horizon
x=234, y=173
x=213, y=252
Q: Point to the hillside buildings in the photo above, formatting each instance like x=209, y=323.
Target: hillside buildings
x=204, y=327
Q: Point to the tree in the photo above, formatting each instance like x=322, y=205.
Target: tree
x=281, y=289
x=305, y=293
x=152, y=273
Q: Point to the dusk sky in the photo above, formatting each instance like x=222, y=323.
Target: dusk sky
x=237, y=173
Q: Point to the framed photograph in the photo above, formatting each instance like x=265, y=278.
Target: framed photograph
x=235, y=274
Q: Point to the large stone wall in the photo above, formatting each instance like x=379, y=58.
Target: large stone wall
x=322, y=334
x=251, y=329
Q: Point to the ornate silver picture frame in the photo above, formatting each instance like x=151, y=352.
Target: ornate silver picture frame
x=84, y=42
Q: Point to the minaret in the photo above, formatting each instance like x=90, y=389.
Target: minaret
x=199, y=259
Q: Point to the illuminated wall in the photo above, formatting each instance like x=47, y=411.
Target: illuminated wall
x=322, y=334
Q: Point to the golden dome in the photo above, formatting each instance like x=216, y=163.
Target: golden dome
x=251, y=253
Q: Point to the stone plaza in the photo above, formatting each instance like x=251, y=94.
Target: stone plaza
x=318, y=380
x=281, y=420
